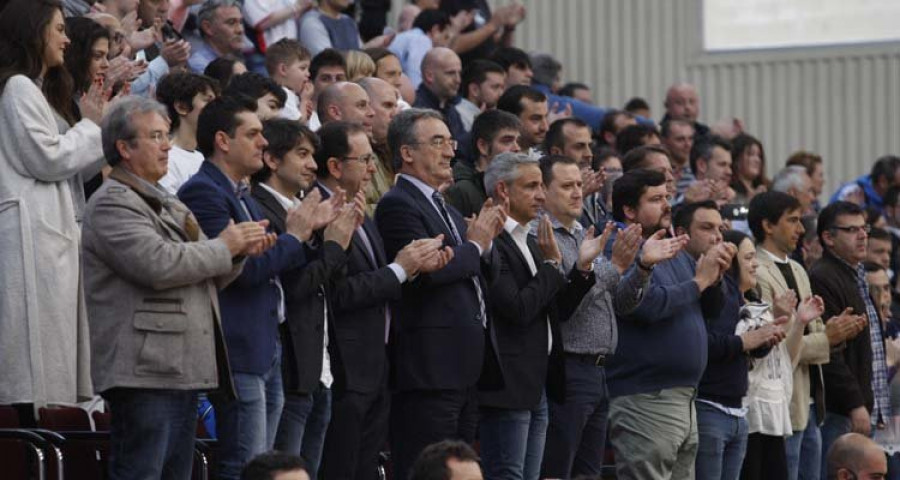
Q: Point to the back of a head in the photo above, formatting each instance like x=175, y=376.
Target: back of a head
x=430, y=18
x=432, y=462
x=267, y=465
x=509, y=56
x=849, y=452
x=546, y=68
x=569, y=89
x=255, y=86
x=359, y=65
x=885, y=167
x=221, y=69
x=632, y=137
x=511, y=100
x=636, y=104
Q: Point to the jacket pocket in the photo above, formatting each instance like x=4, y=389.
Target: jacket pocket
x=162, y=323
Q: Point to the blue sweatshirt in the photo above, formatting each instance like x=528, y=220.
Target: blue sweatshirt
x=662, y=344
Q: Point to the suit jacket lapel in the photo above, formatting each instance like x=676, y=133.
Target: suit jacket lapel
x=425, y=205
x=154, y=201
x=267, y=200
x=218, y=176
x=772, y=270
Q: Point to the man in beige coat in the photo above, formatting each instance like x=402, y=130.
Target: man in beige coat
x=775, y=221
x=150, y=279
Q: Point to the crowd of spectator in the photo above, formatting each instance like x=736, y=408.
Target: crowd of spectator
x=359, y=244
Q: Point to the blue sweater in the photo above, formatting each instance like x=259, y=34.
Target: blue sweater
x=662, y=344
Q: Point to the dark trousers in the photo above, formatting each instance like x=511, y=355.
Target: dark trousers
x=151, y=433
x=576, y=435
x=357, y=432
x=422, y=417
x=766, y=458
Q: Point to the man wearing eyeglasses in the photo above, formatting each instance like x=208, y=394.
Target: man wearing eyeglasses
x=441, y=336
x=856, y=389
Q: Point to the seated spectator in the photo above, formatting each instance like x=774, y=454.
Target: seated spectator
x=749, y=168
x=221, y=27
x=677, y=136
x=143, y=251
x=327, y=26
x=431, y=29
x=346, y=102
x=447, y=460
x=711, y=164
x=326, y=68
x=481, y=88
x=816, y=171
x=184, y=95
x=854, y=456
x=384, y=100
x=879, y=249
x=288, y=65
x=868, y=190
x=578, y=91
x=269, y=96
x=359, y=65
x=530, y=107
x=547, y=71
x=223, y=68
x=682, y=101
x=638, y=106
x=651, y=157
x=517, y=64
x=794, y=181
x=273, y=20
x=275, y=466
x=613, y=123
x=634, y=136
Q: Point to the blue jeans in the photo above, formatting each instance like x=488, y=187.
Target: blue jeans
x=834, y=426
x=246, y=427
x=804, y=450
x=512, y=442
x=304, y=422
x=151, y=433
x=576, y=435
x=722, y=443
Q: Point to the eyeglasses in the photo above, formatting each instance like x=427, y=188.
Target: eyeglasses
x=158, y=137
x=367, y=159
x=439, y=142
x=854, y=229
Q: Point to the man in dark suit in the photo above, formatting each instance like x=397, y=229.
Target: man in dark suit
x=528, y=298
x=359, y=310
x=289, y=169
x=229, y=134
x=439, y=328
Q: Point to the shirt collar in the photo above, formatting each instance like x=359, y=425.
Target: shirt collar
x=518, y=231
x=775, y=258
x=426, y=189
x=287, y=203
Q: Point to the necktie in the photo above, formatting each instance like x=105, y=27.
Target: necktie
x=439, y=201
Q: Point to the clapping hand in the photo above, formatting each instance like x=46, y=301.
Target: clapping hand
x=592, y=246
x=657, y=248
x=810, y=309
x=626, y=246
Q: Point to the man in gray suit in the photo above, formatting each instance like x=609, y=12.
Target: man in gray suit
x=151, y=278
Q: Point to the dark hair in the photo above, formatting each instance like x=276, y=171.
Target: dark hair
x=335, y=142
x=83, y=33
x=430, y=18
x=23, y=24
x=508, y=56
x=771, y=206
x=665, y=127
x=220, y=115
x=885, y=167
x=683, y=216
x=608, y=124
x=255, y=86
x=266, y=465
x=547, y=163
x=871, y=266
x=633, y=136
x=511, y=100
x=636, y=103
x=555, y=136
x=283, y=135
x=627, y=190
x=601, y=154
x=377, y=53
x=891, y=197
x=477, y=72
x=637, y=156
x=221, y=69
x=452, y=7
x=284, y=51
x=568, y=90
x=807, y=160
x=327, y=58
x=872, y=213
x=736, y=238
x=182, y=87
x=704, y=148
x=880, y=234
x=829, y=215
x=432, y=462
x=739, y=145
x=487, y=125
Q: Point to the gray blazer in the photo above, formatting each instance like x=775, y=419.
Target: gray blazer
x=150, y=279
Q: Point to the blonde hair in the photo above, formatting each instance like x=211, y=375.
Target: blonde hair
x=359, y=65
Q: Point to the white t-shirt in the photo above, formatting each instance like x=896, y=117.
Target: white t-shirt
x=255, y=11
x=291, y=110
x=182, y=166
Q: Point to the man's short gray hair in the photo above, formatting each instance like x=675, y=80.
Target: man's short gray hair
x=207, y=11
x=546, y=68
x=790, y=177
x=118, y=123
x=505, y=168
x=403, y=130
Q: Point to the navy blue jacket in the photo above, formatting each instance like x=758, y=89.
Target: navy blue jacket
x=250, y=303
x=426, y=99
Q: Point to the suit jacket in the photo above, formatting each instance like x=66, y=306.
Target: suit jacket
x=303, y=332
x=521, y=305
x=250, y=303
x=848, y=374
x=814, y=349
x=438, y=337
x=151, y=279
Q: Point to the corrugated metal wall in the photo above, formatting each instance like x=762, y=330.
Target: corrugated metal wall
x=842, y=102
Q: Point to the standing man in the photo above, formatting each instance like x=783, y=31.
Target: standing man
x=571, y=137
x=440, y=341
x=146, y=261
x=677, y=135
x=482, y=85
x=229, y=134
x=441, y=71
x=682, y=101
x=384, y=99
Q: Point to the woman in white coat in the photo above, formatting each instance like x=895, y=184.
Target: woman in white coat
x=44, y=343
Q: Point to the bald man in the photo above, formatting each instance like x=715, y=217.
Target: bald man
x=856, y=457
x=346, y=102
x=384, y=99
x=441, y=76
x=682, y=101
